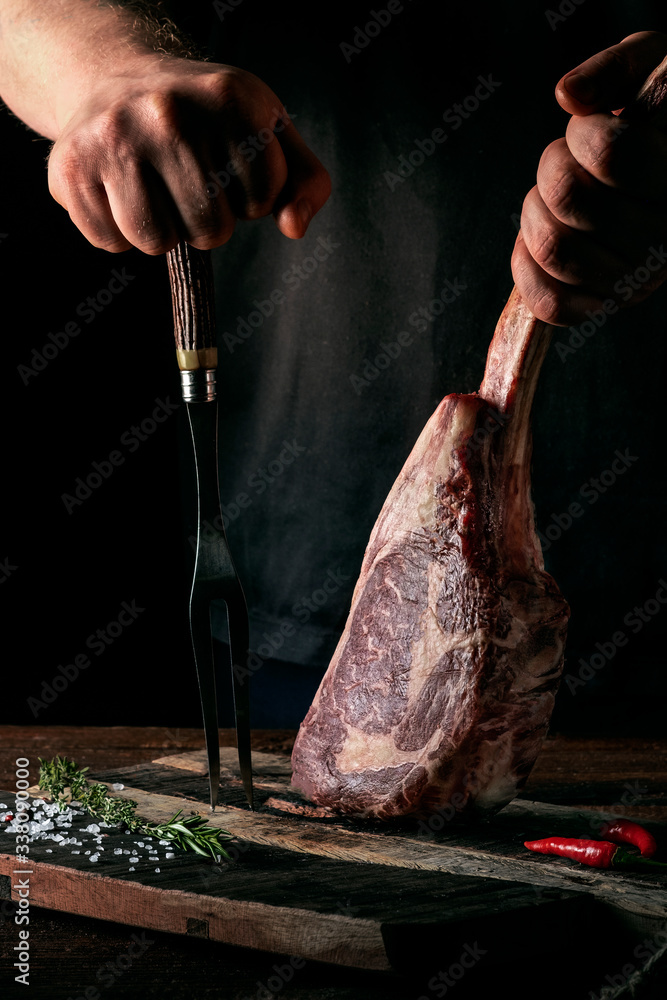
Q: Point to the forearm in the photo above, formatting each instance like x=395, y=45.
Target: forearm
x=54, y=53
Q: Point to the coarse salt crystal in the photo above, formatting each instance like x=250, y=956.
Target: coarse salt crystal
x=94, y=857
x=118, y=786
x=49, y=850
x=170, y=854
x=131, y=869
x=87, y=852
x=92, y=828
x=118, y=850
x=157, y=869
x=76, y=852
x=164, y=843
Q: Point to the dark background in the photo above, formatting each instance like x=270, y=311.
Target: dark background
x=128, y=541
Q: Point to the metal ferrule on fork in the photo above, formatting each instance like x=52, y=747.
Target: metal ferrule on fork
x=215, y=578
x=198, y=385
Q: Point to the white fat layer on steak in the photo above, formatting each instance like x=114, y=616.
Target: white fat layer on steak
x=429, y=462
x=444, y=678
x=362, y=750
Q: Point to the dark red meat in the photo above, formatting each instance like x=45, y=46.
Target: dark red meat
x=441, y=688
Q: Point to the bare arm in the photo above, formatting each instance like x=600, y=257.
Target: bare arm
x=151, y=146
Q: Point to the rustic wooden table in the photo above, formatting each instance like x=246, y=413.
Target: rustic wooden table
x=75, y=957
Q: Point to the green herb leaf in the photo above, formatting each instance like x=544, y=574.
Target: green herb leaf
x=67, y=784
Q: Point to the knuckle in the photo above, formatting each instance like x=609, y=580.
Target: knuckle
x=211, y=238
x=546, y=305
x=111, y=128
x=560, y=196
x=547, y=250
x=258, y=202
x=639, y=36
x=161, y=106
x=257, y=207
x=68, y=164
x=604, y=150
x=112, y=243
x=227, y=88
x=154, y=244
x=613, y=59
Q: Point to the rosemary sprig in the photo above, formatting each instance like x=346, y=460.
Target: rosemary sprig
x=66, y=783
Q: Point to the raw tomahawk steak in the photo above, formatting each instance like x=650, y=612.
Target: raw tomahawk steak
x=442, y=685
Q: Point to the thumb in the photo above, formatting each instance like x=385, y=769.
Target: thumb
x=307, y=187
x=611, y=78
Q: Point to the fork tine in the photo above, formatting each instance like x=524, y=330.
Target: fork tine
x=202, y=644
x=237, y=620
x=215, y=577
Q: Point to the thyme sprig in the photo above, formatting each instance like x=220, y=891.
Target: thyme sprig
x=67, y=784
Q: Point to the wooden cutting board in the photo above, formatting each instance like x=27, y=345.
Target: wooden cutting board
x=327, y=888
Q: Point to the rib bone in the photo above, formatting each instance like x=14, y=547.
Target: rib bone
x=442, y=685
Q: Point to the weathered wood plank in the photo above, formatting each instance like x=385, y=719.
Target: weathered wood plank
x=494, y=850
x=323, y=937
x=269, y=898
x=333, y=889
x=642, y=893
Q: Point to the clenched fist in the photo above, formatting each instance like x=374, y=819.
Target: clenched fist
x=173, y=149
x=594, y=225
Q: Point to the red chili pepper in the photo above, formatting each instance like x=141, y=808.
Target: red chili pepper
x=623, y=831
x=595, y=853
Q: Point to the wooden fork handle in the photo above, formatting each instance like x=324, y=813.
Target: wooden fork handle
x=192, y=297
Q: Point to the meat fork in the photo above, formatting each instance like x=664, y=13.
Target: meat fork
x=215, y=577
